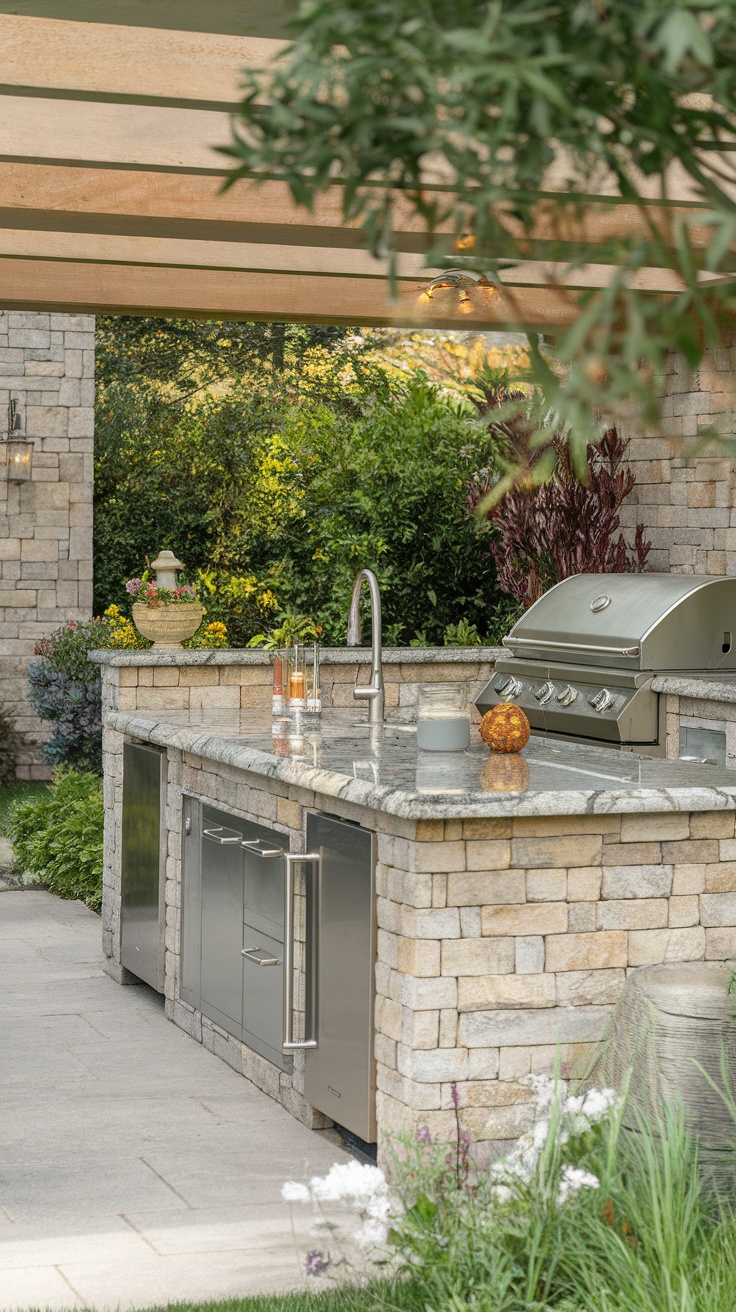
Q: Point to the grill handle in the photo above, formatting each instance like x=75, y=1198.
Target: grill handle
x=553, y=645
x=290, y=1044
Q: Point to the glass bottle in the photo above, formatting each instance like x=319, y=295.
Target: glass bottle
x=280, y=675
x=314, y=694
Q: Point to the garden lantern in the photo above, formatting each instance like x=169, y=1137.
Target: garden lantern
x=16, y=451
x=165, y=566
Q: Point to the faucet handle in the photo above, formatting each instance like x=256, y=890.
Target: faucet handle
x=367, y=691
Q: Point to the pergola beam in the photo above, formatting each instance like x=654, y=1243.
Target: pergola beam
x=232, y=294
x=110, y=199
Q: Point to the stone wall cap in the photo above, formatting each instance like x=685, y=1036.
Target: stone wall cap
x=704, y=688
x=328, y=656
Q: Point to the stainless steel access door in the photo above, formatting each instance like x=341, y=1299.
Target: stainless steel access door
x=340, y=1068
x=221, y=963
x=142, y=882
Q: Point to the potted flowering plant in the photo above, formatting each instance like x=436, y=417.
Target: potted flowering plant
x=166, y=615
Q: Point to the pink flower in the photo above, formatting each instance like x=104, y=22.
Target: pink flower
x=134, y=586
x=316, y=1263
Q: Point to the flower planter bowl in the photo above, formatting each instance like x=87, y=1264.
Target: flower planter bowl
x=167, y=626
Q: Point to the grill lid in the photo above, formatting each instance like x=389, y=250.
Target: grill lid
x=633, y=622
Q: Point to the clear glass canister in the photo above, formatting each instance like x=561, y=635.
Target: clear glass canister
x=443, y=717
x=297, y=695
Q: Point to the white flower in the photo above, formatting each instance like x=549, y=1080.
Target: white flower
x=600, y=1103
x=572, y=1179
x=353, y=1182
x=293, y=1192
x=363, y=1188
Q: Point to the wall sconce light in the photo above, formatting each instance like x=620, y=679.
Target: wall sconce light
x=16, y=451
x=462, y=280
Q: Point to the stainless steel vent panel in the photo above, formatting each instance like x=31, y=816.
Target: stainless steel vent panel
x=648, y=622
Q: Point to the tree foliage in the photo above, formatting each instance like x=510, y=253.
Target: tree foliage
x=184, y=356
x=278, y=500
x=498, y=123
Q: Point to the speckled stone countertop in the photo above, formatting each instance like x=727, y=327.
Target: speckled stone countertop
x=383, y=770
x=328, y=655
x=702, y=687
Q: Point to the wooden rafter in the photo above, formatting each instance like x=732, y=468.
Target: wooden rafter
x=110, y=199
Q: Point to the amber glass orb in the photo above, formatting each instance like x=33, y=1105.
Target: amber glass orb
x=505, y=772
x=505, y=728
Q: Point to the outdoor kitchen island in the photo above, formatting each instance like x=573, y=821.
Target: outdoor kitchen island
x=508, y=898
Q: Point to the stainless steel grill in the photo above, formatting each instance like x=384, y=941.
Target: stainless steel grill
x=582, y=659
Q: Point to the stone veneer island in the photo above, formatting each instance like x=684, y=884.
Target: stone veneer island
x=511, y=901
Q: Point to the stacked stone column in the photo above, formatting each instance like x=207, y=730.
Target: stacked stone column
x=47, y=366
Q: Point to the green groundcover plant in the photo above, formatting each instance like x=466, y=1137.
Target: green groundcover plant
x=57, y=837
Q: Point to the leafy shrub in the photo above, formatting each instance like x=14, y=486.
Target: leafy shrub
x=65, y=689
x=57, y=837
x=8, y=747
x=545, y=531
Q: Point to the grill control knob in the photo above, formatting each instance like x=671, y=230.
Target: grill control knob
x=508, y=686
x=567, y=696
x=601, y=700
x=544, y=693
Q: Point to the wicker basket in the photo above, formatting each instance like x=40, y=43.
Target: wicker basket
x=168, y=626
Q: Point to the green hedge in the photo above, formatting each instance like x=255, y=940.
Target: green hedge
x=57, y=837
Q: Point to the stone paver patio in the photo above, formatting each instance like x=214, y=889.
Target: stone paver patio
x=136, y=1168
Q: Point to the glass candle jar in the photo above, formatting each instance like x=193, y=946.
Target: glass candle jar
x=443, y=718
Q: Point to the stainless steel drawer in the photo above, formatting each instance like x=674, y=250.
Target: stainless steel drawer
x=263, y=994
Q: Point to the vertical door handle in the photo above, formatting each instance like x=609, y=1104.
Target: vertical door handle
x=290, y=1044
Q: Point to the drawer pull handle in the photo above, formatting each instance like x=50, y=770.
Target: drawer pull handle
x=260, y=957
x=222, y=835
x=259, y=847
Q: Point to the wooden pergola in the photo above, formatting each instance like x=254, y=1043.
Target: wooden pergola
x=110, y=185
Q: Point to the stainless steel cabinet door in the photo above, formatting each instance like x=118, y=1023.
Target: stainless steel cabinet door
x=340, y=1071
x=142, y=909
x=221, y=979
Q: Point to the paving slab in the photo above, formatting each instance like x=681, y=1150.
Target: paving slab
x=136, y=1168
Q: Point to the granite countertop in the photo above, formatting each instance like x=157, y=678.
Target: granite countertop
x=383, y=770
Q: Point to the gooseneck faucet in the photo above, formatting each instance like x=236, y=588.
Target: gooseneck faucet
x=373, y=691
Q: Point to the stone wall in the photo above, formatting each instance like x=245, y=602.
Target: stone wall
x=499, y=938
x=47, y=365
x=242, y=680
x=688, y=503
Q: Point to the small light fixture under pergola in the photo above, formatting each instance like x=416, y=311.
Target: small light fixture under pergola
x=16, y=451
x=462, y=280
